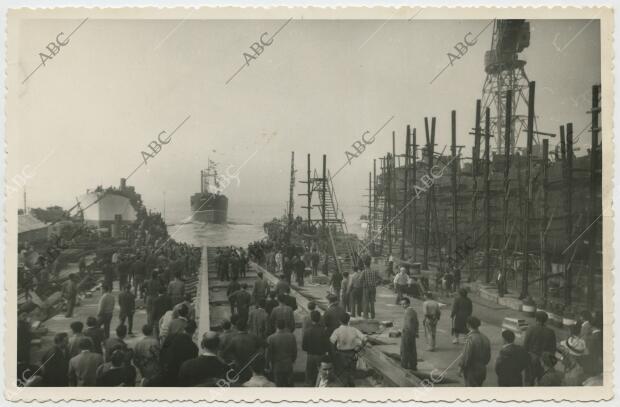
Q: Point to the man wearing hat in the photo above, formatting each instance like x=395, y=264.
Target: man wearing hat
x=573, y=350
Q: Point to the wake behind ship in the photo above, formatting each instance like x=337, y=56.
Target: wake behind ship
x=209, y=205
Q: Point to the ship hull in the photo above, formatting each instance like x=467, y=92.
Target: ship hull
x=209, y=208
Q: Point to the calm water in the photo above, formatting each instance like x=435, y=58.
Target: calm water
x=245, y=224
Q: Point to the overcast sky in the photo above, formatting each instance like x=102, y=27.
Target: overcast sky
x=316, y=89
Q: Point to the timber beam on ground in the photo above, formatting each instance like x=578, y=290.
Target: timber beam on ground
x=393, y=374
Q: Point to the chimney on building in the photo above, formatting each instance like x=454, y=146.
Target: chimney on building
x=123, y=184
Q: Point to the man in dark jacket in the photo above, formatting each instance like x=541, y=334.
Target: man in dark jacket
x=538, y=339
x=316, y=343
x=282, y=313
x=161, y=304
x=177, y=349
x=55, y=363
x=281, y=354
x=476, y=355
x=333, y=315
x=243, y=349
x=208, y=368
x=511, y=362
x=127, y=304
x=242, y=300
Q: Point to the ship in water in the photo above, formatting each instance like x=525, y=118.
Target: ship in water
x=209, y=205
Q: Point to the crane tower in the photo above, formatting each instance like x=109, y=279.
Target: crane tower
x=506, y=71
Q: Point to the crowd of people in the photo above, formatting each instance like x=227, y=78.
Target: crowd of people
x=151, y=271
x=531, y=364
x=257, y=346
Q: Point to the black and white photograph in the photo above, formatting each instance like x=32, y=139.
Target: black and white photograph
x=413, y=198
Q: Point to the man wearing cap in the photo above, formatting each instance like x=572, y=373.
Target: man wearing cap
x=573, y=351
x=538, y=339
x=476, y=355
x=511, y=362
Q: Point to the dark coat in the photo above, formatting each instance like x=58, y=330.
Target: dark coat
x=282, y=351
x=177, y=349
x=539, y=339
x=461, y=310
x=55, y=366
x=332, y=317
x=510, y=364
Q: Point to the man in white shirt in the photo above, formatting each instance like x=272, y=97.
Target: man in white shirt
x=348, y=341
x=401, y=281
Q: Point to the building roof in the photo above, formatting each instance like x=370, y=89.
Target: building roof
x=26, y=223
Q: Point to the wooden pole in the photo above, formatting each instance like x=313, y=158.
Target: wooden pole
x=369, y=203
x=528, y=201
x=454, y=240
x=403, y=229
x=595, y=205
x=414, y=212
x=384, y=215
x=544, y=261
x=375, y=197
x=324, y=192
x=394, y=190
x=487, y=193
x=506, y=180
x=568, y=296
x=474, y=195
x=427, y=214
x=309, y=194
x=389, y=202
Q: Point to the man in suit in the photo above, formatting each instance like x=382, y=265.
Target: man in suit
x=282, y=313
x=333, y=315
x=511, y=362
x=476, y=355
x=177, y=349
x=110, y=344
x=242, y=299
x=83, y=367
x=55, y=362
x=161, y=305
x=258, y=320
x=261, y=288
x=74, y=341
x=127, y=304
x=208, y=368
x=316, y=343
x=281, y=354
x=243, y=349
x=95, y=333
x=176, y=289
x=538, y=339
